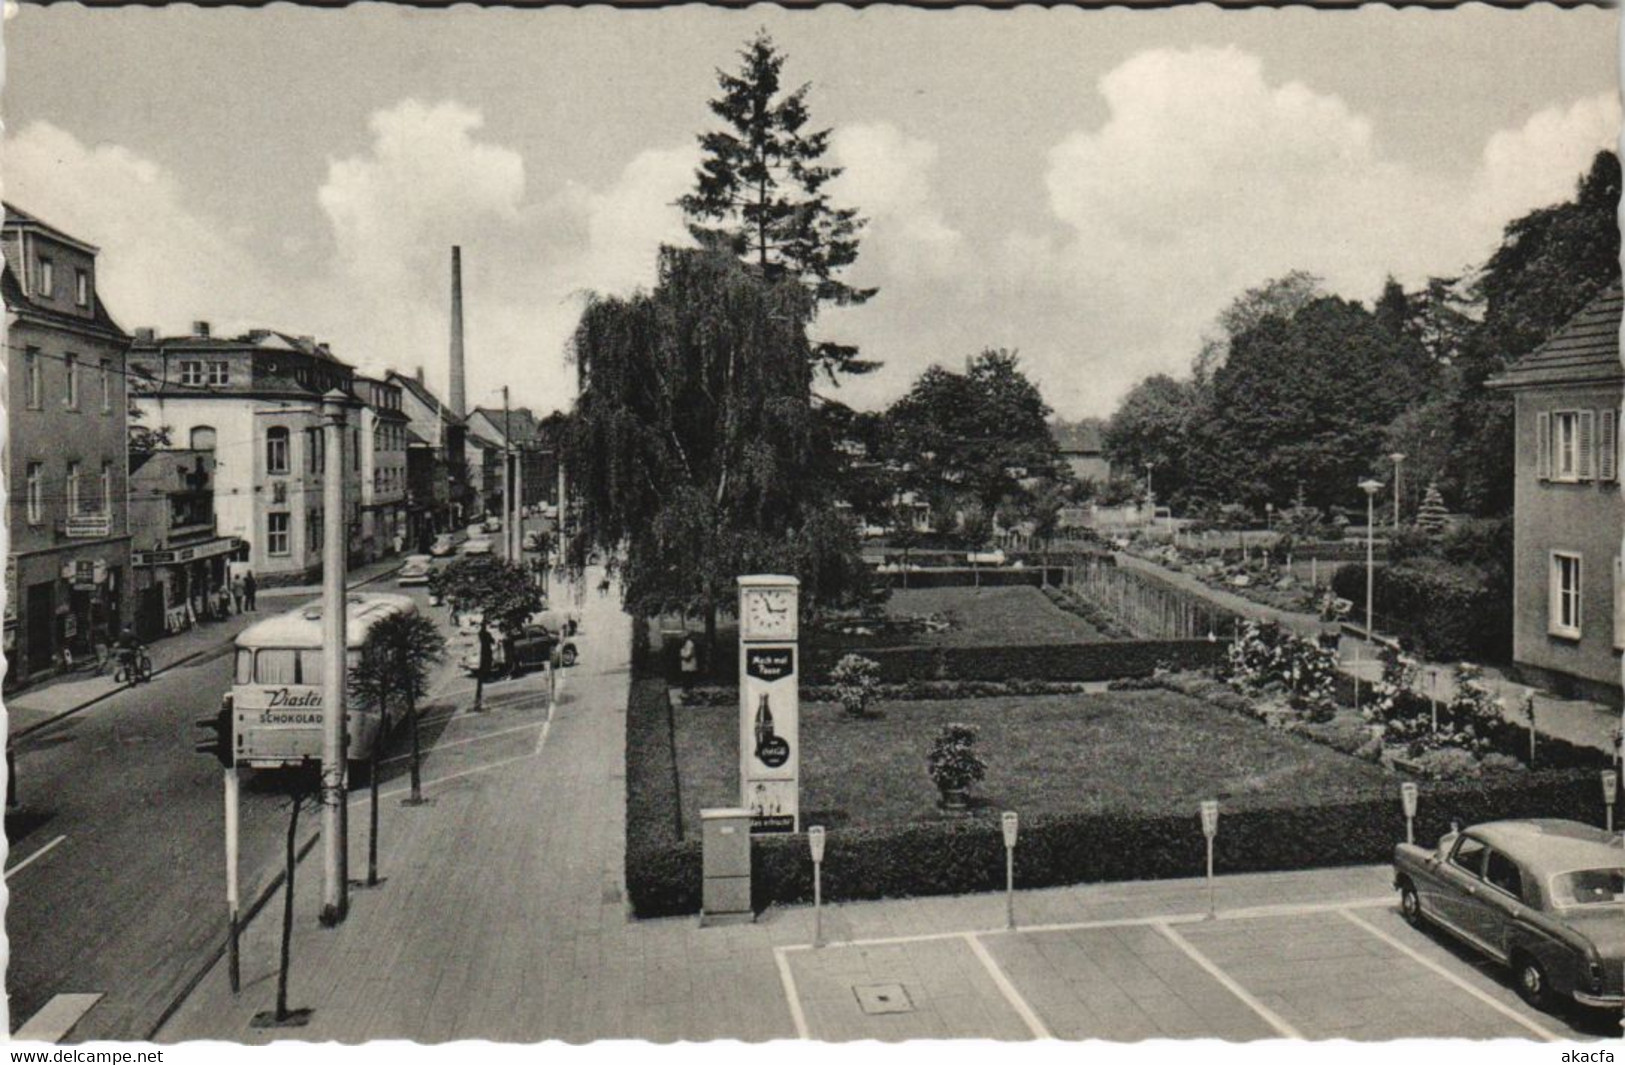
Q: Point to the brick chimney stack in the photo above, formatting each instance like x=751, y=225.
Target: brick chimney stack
x=459, y=397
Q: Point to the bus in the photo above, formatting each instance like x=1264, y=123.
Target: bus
x=276, y=701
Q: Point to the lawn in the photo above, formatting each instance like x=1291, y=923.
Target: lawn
x=1145, y=751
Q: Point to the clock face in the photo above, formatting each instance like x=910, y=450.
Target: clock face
x=769, y=613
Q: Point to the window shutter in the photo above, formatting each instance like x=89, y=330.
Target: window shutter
x=1608, y=445
x=1587, y=445
x=1619, y=601
x=1543, y=446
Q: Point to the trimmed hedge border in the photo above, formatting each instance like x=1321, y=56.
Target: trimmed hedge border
x=664, y=871
x=968, y=577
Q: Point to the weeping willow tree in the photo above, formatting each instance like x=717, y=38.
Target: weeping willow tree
x=692, y=449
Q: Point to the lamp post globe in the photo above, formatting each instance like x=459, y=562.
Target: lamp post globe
x=1396, y=458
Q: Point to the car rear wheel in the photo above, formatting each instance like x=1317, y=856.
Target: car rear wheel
x=568, y=656
x=1532, y=985
x=1410, y=904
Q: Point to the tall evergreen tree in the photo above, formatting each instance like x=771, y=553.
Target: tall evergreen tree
x=760, y=192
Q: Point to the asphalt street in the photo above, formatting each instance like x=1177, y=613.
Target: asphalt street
x=117, y=867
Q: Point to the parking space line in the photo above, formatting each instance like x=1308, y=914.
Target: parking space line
x=788, y=980
x=32, y=858
x=403, y=789
x=1433, y=966
x=1270, y=1017
x=1007, y=989
x=1287, y=909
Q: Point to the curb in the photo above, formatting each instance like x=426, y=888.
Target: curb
x=29, y=730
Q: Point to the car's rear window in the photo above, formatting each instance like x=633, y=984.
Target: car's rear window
x=1589, y=887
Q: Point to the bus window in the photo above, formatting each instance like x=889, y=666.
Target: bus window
x=277, y=667
x=310, y=667
x=245, y=667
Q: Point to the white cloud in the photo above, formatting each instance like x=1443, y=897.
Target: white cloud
x=888, y=174
x=161, y=263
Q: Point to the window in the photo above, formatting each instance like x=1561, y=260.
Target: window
x=203, y=438
x=1469, y=855
x=72, y=364
x=81, y=287
x=355, y=448
x=1566, y=440
x=74, y=478
x=107, y=488
x=1503, y=872
x=276, y=534
x=1564, y=619
x=47, y=278
x=1589, y=887
x=315, y=527
x=195, y=373
x=36, y=493
x=36, y=385
x=276, y=449
x=107, y=386
x=1619, y=602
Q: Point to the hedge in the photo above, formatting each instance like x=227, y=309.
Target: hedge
x=1445, y=611
x=1058, y=850
x=966, y=577
x=1105, y=660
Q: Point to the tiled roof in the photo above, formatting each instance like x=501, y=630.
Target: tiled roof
x=1586, y=350
x=424, y=396
x=16, y=216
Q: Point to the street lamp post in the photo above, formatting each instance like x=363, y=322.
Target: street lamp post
x=1371, y=487
x=1397, y=457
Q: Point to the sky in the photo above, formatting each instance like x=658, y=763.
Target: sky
x=1089, y=188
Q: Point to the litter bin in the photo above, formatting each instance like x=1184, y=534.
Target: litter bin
x=725, y=837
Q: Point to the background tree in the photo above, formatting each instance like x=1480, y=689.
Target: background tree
x=1153, y=424
x=982, y=432
x=393, y=674
x=500, y=591
x=760, y=192
x=693, y=442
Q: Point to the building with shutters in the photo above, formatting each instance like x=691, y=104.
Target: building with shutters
x=68, y=559
x=1568, y=591
x=254, y=401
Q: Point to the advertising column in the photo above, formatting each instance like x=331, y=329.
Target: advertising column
x=769, y=702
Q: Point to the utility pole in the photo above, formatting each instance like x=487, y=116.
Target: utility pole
x=335, y=726
x=507, y=480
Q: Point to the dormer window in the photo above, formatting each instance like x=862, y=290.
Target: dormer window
x=81, y=287
x=47, y=278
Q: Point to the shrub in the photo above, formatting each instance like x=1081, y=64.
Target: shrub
x=1265, y=656
x=953, y=763
x=1446, y=610
x=1446, y=763
x=856, y=681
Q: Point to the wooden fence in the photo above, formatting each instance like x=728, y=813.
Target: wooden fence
x=1151, y=608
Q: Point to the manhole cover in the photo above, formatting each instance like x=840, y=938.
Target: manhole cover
x=883, y=998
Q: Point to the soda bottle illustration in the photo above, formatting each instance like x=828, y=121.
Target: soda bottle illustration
x=764, y=724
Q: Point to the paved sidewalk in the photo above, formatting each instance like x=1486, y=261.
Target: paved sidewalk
x=40, y=704
x=504, y=917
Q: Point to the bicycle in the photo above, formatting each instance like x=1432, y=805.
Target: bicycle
x=135, y=667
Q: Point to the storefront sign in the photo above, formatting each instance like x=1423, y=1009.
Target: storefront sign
x=212, y=548
x=90, y=526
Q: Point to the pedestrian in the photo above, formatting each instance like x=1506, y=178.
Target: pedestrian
x=688, y=661
x=603, y=587
x=487, y=646
x=250, y=586
x=223, y=597
x=237, y=594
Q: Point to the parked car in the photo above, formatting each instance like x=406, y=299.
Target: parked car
x=475, y=545
x=415, y=570
x=533, y=649
x=1544, y=897
x=444, y=544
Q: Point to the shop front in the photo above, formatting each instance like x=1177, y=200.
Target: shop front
x=61, y=604
x=182, y=586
